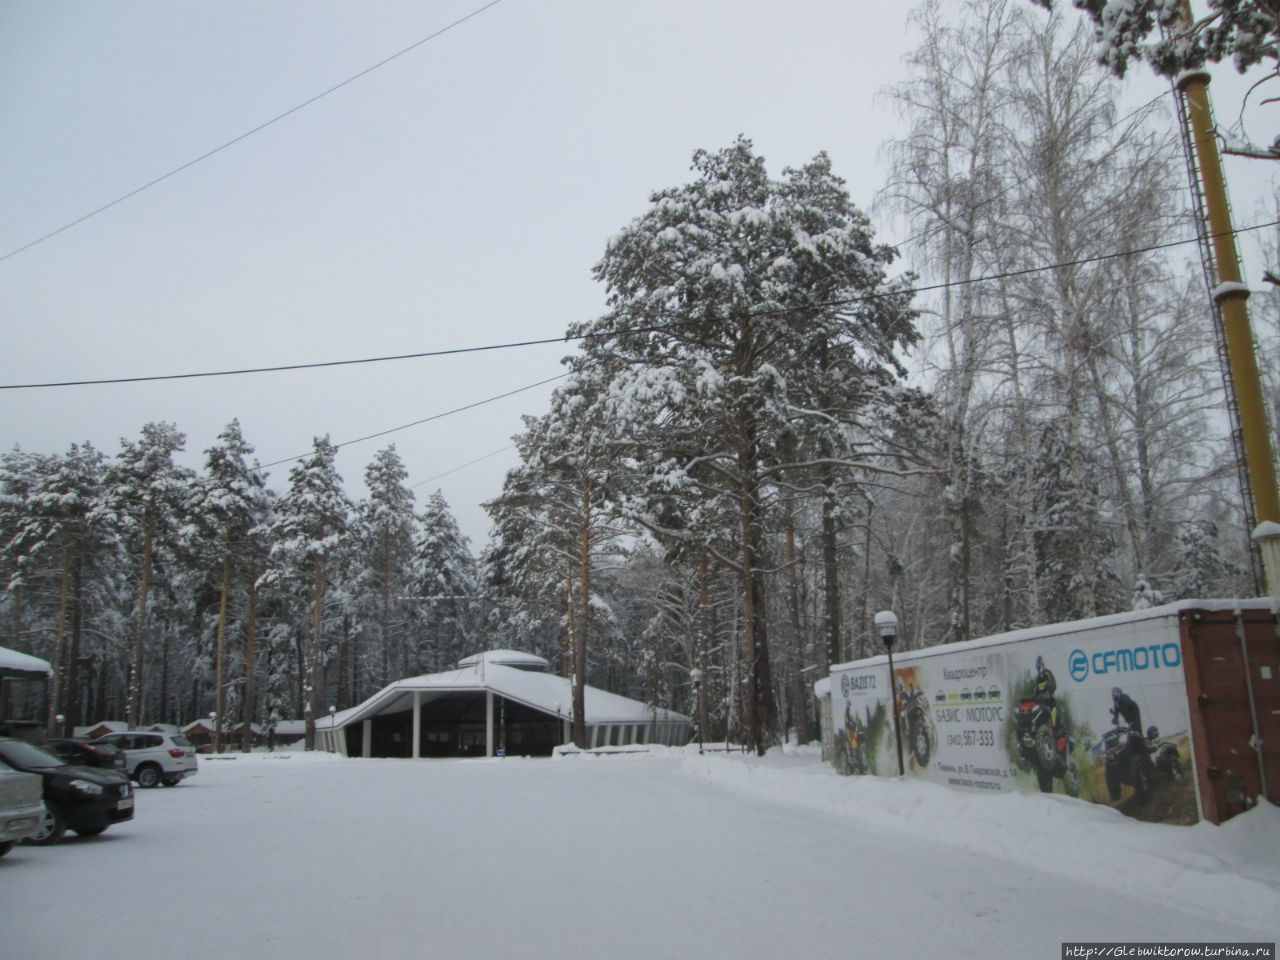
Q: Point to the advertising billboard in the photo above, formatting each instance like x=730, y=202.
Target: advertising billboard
x=1098, y=713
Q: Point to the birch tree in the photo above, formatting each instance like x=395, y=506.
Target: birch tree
x=949, y=177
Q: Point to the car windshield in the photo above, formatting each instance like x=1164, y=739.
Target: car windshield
x=181, y=741
x=22, y=754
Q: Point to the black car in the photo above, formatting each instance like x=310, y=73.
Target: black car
x=84, y=799
x=102, y=755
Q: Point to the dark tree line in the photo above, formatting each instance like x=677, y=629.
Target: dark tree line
x=163, y=594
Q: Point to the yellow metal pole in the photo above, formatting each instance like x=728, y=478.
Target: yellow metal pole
x=1231, y=296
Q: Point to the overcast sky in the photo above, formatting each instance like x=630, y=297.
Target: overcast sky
x=455, y=197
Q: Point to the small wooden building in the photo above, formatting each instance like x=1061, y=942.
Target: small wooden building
x=24, y=686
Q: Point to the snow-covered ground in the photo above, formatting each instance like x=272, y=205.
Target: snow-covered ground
x=660, y=855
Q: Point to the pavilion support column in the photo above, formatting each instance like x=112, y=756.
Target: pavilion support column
x=366, y=748
x=417, y=724
x=488, y=723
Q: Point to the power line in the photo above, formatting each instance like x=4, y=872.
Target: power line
x=661, y=328
x=282, y=367
x=437, y=416
x=478, y=403
x=249, y=133
x=462, y=466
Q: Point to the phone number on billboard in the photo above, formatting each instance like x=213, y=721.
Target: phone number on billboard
x=972, y=738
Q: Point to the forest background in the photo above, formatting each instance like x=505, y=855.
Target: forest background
x=778, y=426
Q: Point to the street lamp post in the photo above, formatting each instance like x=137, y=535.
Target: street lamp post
x=887, y=626
x=213, y=717
x=696, y=676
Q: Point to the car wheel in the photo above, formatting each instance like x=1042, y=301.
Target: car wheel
x=52, y=826
x=6, y=847
x=149, y=776
x=91, y=831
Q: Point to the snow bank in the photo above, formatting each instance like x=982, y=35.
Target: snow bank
x=1230, y=871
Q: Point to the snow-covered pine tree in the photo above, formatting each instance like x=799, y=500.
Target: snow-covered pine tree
x=1167, y=36
x=148, y=493
x=565, y=489
x=232, y=503
x=446, y=580
x=721, y=297
x=20, y=472
x=382, y=577
x=66, y=554
x=311, y=520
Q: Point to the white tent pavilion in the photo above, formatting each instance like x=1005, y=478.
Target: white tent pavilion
x=499, y=702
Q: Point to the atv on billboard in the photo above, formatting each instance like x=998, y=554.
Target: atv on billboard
x=1096, y=710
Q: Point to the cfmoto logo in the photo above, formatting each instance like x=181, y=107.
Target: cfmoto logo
x=1078, y=664
x=1155, y=656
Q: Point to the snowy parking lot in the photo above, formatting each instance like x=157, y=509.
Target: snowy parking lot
x=662, y=855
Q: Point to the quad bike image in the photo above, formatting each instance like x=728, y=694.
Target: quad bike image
x=1164, y=755
x=920, y=735
x=853, y=751
x=1129, y=762
x=1037, y=747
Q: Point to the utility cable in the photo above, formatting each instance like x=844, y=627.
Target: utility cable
x=661, y=328
x=244, y=136
x=437, y=416
x=462, y=466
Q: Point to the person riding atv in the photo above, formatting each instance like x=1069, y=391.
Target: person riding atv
x=1046, y=687
x=1123, y=705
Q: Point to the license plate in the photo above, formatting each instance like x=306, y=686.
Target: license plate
x=125, y=804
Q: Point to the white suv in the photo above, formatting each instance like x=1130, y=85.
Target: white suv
x=155, y=758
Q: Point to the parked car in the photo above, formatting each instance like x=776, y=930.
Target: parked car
x=84, y=799
x=154, y=758
x=88, y=754
x=21, y=806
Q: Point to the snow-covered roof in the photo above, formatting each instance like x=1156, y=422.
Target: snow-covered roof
x=112, y=726
x=545, y=692
x=506, y=658
x=206, y=724
x=1169, y=610
x=11, y=661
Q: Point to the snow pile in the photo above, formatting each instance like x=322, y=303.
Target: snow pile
x=1230, y=871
